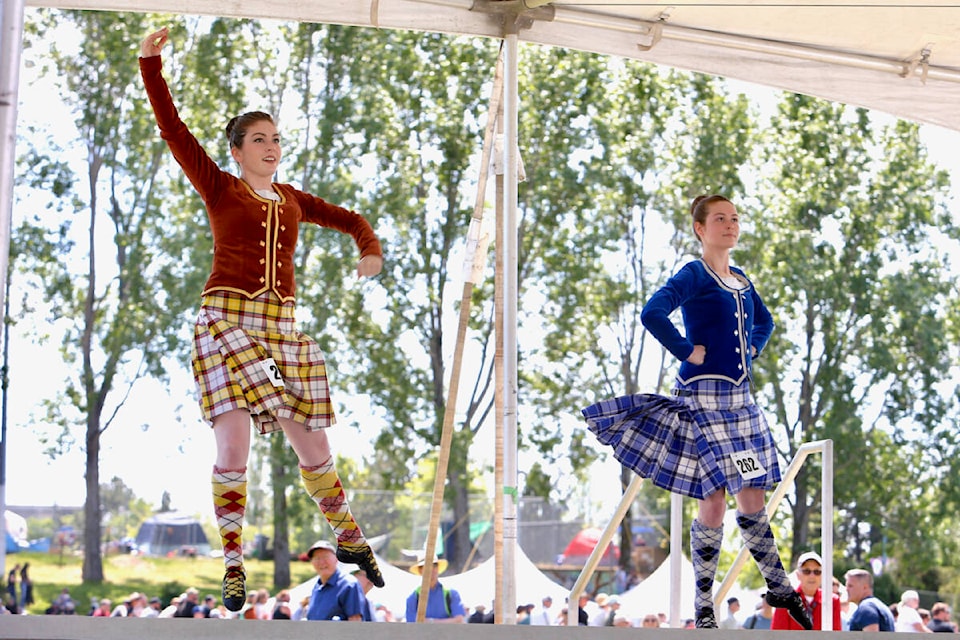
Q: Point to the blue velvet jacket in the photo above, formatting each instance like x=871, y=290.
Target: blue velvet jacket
x=726, y=321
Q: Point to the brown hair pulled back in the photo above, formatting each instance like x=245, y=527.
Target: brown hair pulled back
x=237, y=127
x=698, y=209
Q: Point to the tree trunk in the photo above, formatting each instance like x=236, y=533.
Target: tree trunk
x=626, y=525
x=281, y=526
x=92, y=556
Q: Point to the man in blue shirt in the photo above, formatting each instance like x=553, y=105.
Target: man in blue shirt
x=337, y=595
x=443, y=605
x=369, y=613
x=871, y=613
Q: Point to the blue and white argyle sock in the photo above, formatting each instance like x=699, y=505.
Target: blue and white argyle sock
x=705, y=554
x=758, y=538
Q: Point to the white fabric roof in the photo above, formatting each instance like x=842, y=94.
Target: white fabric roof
x=654, y=593
x=851, y=51
x=476, y=586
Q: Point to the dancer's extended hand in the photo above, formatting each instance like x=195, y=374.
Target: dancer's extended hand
x=154, y=42
x=369, y=266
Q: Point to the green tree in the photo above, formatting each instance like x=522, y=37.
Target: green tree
x=420, y=123
x=123, y=510
x=124, y=313
x=844, y=258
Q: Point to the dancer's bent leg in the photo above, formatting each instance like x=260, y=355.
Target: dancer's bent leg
x=758, y=538
x=323, y=484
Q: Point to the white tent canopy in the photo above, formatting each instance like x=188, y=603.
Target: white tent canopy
x=476, y=586
x=897, y=57
x=654, y=593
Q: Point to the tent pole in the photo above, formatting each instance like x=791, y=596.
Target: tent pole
x=580, y=586
x=474, y=261
x=11, y=40
x=509, y=496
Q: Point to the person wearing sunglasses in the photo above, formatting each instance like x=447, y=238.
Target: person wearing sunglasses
x=810, y=575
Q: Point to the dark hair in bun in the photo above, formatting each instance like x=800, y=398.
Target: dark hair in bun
x=237, y=127
x=698, y=209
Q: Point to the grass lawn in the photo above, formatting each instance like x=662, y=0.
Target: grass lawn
x=124, y=574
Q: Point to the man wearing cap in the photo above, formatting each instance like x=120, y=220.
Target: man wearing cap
x=613, y=609
x=908, y=620
x=337, y=595
x=810, y=576
x=153, y=608
x=189, y=606
x=871, y=613
x=598, y=615
x=443, y=605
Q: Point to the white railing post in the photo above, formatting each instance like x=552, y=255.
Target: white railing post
x=826, y=533
x=823, y=446
x=573, y=600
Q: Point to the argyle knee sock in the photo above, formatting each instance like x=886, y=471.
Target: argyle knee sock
x=323, y=485
x=758, y=538
x=705, y=553
x=229, y=503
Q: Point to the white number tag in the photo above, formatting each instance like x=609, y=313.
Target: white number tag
x=273, y=372
x=748, y=465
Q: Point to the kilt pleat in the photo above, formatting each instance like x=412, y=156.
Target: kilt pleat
x=233, y=339
x=685, y=444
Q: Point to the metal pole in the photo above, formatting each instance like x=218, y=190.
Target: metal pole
x=473, y=272
x=676, y=557
x=826, y=533
x=510, y=298
x=11, y=40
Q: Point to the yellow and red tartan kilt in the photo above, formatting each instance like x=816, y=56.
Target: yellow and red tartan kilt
x=232, y=336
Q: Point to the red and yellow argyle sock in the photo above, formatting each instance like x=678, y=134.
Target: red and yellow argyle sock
x=229, y=504
x=323, y=485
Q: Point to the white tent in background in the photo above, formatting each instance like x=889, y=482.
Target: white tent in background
x=653, y=594
x=15, y=528
x=476, y=586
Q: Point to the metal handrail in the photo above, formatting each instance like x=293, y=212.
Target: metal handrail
x=825, y=447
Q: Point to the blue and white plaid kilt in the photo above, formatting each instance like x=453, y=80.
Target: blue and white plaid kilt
x=684, y=444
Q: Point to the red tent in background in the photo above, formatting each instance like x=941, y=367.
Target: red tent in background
x=583, y=544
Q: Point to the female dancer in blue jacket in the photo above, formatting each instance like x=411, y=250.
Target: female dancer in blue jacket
x=710, y=438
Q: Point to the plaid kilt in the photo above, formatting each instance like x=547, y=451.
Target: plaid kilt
x=684, y=444
x=232, y=340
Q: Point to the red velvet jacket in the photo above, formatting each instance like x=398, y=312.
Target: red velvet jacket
x=782, y=619
x=253, y=237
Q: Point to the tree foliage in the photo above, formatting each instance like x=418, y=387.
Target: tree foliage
x=843, y=238
x=843, y=219
x=120, y=308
